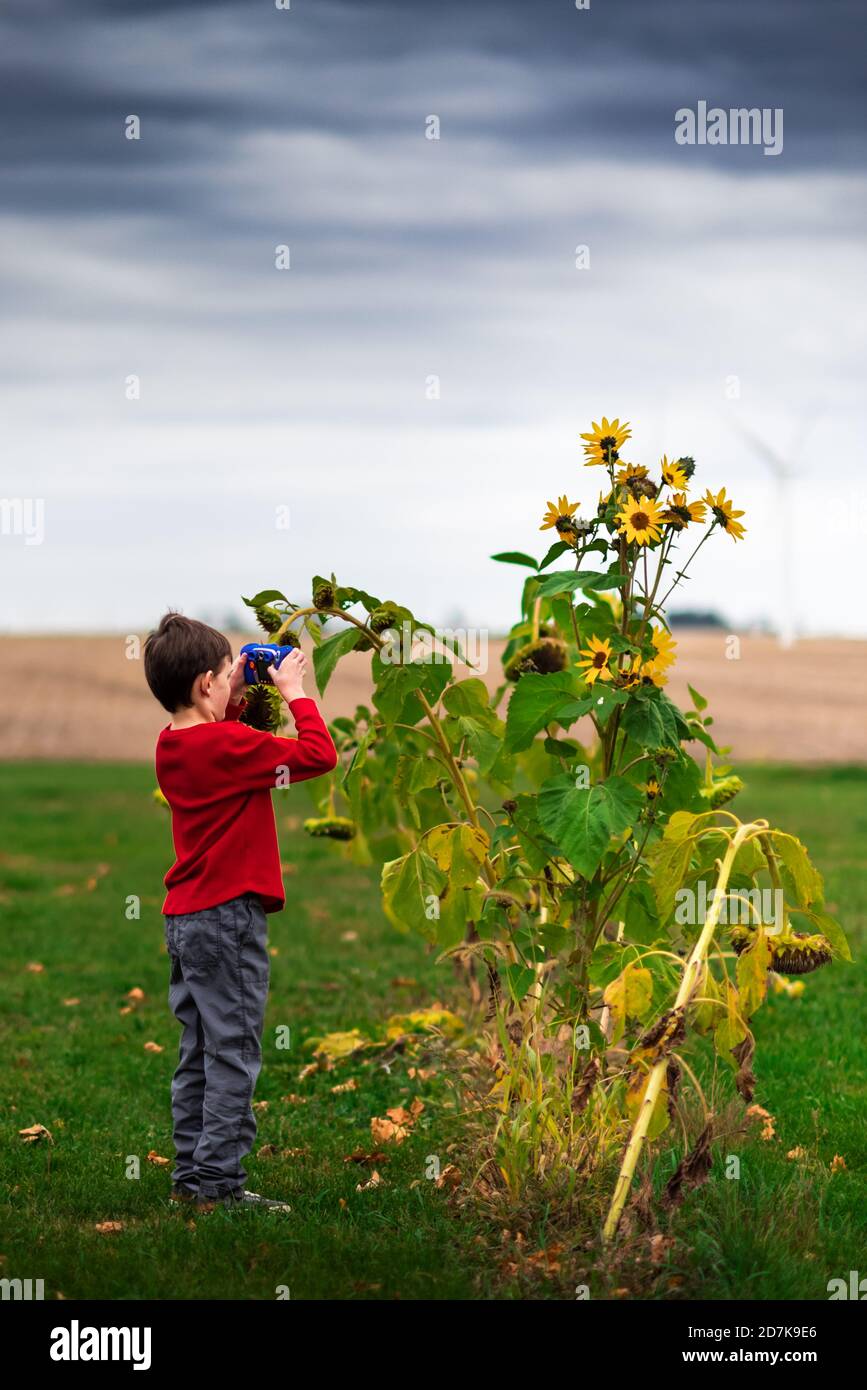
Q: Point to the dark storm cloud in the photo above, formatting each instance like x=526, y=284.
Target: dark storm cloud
x=602, y=83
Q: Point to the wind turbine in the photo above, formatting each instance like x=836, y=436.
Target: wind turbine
x=784, y=471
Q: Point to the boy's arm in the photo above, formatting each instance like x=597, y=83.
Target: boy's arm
x=252, y=759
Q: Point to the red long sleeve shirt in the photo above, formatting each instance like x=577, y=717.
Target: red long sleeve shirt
x=217, y=779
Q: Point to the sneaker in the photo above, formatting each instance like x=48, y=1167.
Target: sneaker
x=183, y=1194
x=241, y=1198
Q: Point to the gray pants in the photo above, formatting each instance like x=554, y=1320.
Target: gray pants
x=218, y=989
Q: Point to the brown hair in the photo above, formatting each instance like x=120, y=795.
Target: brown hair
x=180, y=650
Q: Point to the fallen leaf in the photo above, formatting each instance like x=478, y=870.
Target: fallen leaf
x=293, y=1099
x=797, y=1152
x=387, y=1132
x=420, y=1073
x=359, y=1156
x=266, y=1151
x=70, y=1003
x=158, y=1160
x=260, y=1105
x=273, y=950
x=373, y=1181
x=136, y=994
x=349, y=936
x=838, y=1164
x=449, y=1177
x=35, y=967
x=153, y=1047
x=404, y=982
x=34, y=1133
x=350, y=1085
x=108, y=1228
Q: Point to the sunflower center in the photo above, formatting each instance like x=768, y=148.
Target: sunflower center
x=640, y=521
x=608, y=445
x=600, y=660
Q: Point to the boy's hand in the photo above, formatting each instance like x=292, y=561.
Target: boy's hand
x=236, y=679
x=288, y=677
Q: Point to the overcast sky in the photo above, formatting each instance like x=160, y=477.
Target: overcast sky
x=714, y=270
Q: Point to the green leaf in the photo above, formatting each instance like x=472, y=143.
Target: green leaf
x=567, y=581
x=752, y=973
x=266, y=596
x=411, y=888
x=459, y=852
x=670, y=861
x=642, y=720
x=515, y=557
x=518, y=980
x=535, y=702
x=804, y=879
x=582, y=820
x=698, y=700
x=326, y=657
x=830, y=927
x=554, y=553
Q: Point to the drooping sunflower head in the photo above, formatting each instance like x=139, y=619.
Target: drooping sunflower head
x=561, y=517
x=544, y=656
x=639, y=519
x=263, y=708
x=268, y=618
x=604, y=442
x=673, y=475
x=330, y=827
x=686, y=465
x=384, y=617
x=724, y=514
x=792, y=953
x=323, y=593
x=721, y=791
x=680, y=512
x=594, y=659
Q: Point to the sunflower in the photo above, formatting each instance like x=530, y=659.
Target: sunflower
x=724, y=513
x=663, y=646
x=330, y=827
x=604, y=442
x=673, y=475
x=596, y=659
x=651, y=789
x=640, y=519
x=653, y=671
x=631, y=471
x=561, y=516
x=791, y=952
x=680, y=512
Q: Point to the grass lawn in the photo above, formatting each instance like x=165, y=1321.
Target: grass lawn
x=79, y=840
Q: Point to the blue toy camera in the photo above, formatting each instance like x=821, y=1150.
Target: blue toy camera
x=258, y=656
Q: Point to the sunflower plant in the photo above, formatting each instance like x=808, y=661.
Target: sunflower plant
x=570, y=832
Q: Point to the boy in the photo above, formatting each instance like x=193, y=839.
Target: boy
x=217, y=775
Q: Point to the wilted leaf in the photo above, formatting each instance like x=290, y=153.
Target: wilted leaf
x=33, y=1134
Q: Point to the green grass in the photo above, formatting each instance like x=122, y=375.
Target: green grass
x=780, y=1231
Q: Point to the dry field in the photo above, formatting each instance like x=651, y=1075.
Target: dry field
x=80, y=697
